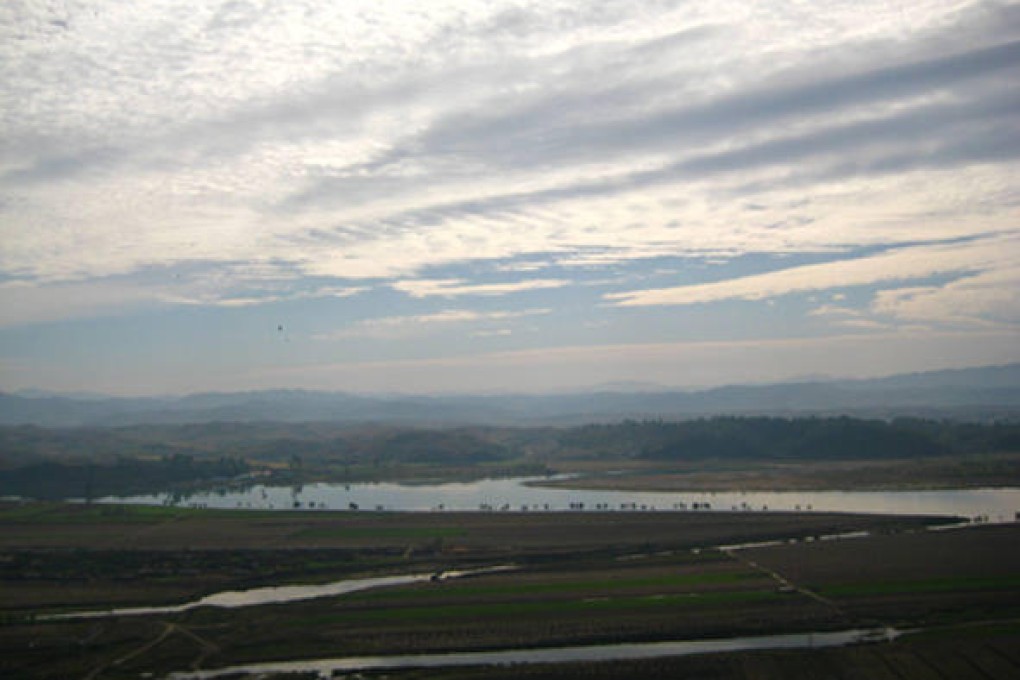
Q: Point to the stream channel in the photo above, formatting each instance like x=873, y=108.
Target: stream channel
x=232, y=599
x=612, y=652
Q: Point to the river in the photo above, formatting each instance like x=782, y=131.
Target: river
x=518, y=494
x=614, y=652
x=232, y=599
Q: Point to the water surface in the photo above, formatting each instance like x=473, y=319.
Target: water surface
x=232, y=599
x=517, y=495
x=615, y=652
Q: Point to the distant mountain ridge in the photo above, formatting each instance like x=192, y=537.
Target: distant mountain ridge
x=1004, y=376
x=985, y=393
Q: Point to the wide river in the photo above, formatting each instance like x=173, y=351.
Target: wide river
x=518, y=495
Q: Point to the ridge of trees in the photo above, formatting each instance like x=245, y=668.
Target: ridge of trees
x=93, y=462
x=762, y=438
x=52, y=480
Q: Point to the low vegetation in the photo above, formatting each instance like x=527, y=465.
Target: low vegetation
x=93, y=462
x=54, y=480
x=583, y=578
x=782, y=439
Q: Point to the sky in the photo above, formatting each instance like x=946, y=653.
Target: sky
x=504, y=196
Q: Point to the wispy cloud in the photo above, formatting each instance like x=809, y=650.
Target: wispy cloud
x=989, y=298
x=493, y=333
x=325, y=160
x=834, y=311
x=420, y=288
x=512, y=138
x=418, y=324
x=206, y=298
x=27, y=303
x=902, y=264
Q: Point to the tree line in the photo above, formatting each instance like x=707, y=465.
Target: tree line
x=52, y=480
x=93, y=462
x=761, y=438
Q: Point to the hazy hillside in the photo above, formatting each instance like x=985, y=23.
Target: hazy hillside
x=985, y=393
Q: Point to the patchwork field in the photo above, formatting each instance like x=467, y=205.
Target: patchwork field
x=580, y=578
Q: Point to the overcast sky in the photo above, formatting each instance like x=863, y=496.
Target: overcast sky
x=504, y=195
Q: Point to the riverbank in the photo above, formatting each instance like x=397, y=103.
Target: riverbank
x=984, y=652
x=959, y=472
x=551, y=655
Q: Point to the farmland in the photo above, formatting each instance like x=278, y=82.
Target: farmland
x=579, y=578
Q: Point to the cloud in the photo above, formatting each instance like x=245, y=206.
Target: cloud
x=421, y=288
x=834, y=311
x=219, y=299
x=215, y=135
x=229, y=155
x=418, y=324
x=556, y=130
x=987, y=299
x=902, y=264
x=884, y=144
x=27, y=303
x=494, y=333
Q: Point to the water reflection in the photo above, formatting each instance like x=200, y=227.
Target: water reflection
x=994, y=505
x=232, y=599
x=648, y=650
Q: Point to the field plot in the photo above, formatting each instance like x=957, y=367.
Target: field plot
x=910, y=580
x=579, y=578
x=118, y=527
